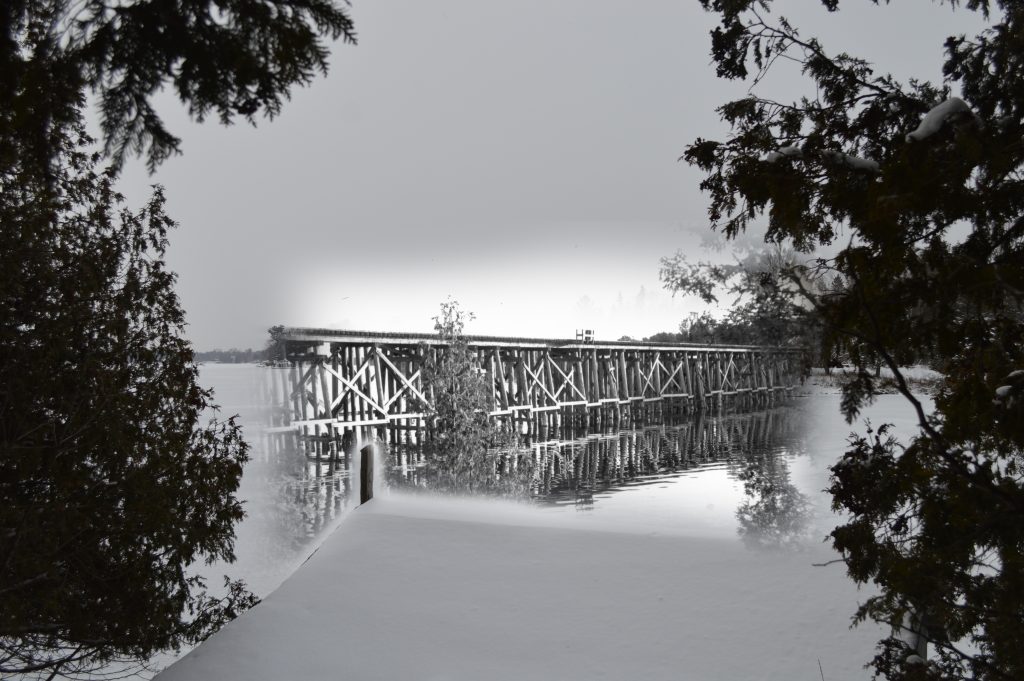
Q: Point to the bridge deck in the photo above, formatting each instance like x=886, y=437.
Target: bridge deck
x=313, y=335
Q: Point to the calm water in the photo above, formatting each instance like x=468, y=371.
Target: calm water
x=754, y=477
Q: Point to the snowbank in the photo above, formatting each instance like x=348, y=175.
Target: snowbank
x=427, y=589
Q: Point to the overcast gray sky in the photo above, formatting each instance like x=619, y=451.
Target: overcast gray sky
x=517, y=156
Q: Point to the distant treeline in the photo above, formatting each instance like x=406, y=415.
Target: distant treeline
x=745, y=325
x=232, y=356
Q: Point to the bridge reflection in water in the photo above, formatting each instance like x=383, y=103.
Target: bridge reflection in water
x=575, y=468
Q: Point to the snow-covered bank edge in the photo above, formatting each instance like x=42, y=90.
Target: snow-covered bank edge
x=920, y=379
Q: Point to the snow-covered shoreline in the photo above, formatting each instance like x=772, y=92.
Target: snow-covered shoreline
x=920, y=379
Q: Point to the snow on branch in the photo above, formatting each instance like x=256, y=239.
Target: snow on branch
x=793, y=151
x=937, y=117
x=854, y=162
x=789, y=151
x=1005, y=393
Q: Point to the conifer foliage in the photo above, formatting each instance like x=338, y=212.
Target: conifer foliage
x=113, y=480
x=920, y=186
x=109, y=487
x=230, y=59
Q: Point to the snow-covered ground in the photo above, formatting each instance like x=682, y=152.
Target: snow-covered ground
x=429, y=589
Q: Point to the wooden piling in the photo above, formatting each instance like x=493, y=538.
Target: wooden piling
x=366, y=473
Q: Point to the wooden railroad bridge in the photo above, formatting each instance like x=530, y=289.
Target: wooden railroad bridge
x=341, y=383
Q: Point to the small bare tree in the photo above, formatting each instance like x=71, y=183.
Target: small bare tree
x=469, y=451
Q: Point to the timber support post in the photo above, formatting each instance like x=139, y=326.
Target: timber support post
x=366, y=473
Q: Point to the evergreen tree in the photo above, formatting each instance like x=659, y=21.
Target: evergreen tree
x=925, y=183
x=109, y=489
x=110, y=486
